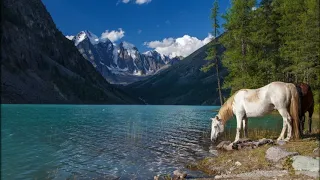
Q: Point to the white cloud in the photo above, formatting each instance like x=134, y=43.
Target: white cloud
x=143, y=1
x=136, y=1
x=182, y=46
x=139, y=31
x=112, y=35
x=70, y=37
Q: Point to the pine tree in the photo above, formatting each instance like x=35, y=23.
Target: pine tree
x=310, y=42
x=212, y=54
x=279, y=40
x=310, y=46
x=242, y=70
x=264, y=44
x=291, y=32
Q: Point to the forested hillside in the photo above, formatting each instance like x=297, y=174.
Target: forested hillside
x=276, y=40
x=183, y=83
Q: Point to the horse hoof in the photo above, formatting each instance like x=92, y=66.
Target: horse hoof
x=287, y=139
x=279, y=139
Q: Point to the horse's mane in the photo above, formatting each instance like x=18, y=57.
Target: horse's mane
x=226, y=112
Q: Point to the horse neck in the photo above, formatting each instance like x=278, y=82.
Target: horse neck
x=225, y=114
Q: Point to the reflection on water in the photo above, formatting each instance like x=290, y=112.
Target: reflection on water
x=130, y=142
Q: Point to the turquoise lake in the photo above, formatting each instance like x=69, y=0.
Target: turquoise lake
x=107, y=141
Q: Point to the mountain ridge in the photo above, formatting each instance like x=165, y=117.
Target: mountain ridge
x=120, y=63
x=39, y=65
x=182, y=84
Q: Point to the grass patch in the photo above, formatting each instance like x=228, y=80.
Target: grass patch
x=251, y=159
x=254, y=159
x=261, y=133
x=287, y=164
x=304, y=147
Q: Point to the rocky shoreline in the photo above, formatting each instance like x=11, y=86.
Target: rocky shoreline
x=261, y=159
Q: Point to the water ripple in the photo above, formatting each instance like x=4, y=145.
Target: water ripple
x=92, y=142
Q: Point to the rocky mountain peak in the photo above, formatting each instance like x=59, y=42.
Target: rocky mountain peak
x=122, y=63
x=86, y=35
x=39, y=65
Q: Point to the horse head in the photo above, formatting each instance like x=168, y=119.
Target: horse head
x=217, y=127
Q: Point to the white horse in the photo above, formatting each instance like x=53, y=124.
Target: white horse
x=258, y=102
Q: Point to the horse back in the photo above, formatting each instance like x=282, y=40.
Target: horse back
x=276, y=94
x=305, y=88
x=257, y=102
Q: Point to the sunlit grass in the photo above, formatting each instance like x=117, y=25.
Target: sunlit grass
x=254, y=159
x=249, y=159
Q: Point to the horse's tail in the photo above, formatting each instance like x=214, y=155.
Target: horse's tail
x=294, y=111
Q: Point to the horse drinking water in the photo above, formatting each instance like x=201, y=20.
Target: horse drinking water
x=247, y=103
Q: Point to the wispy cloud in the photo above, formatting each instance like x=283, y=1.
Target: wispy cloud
x=113, y=35
x=143, y=1
x=182, y=46
x=139, y=31
x=140, y=2
x=168, y=22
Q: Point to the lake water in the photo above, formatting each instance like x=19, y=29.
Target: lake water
x=104, y=142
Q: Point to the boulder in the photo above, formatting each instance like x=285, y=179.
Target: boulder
x=243, y=144
x=308, y=173
x=226, y=145
x=179, y=174
x=222, y=143
x=274, y=154
x=305, y=163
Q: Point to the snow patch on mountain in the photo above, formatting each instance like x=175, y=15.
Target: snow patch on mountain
x=147, y=53
x=115, y=54
x=86, y=34
x=117, y=70
x=131, y=49
x=123, y=59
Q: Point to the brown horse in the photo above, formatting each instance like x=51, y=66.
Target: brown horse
x=306, y=104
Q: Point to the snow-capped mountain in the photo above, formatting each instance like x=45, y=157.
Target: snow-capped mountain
x=122, y=63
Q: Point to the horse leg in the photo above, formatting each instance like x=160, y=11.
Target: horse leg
x=310, y=123
x=239, y=122
x=302, y=121
x=245, y=127
x=310, y=112
x=284, y=128
x=283, y=113
x=289, y=124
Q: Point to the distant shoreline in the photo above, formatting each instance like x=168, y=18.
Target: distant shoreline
x=114, y=104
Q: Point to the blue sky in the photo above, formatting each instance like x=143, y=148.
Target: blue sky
x=160, y=22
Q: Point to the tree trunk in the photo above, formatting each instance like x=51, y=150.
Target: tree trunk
x=243, y=50
x=218, y=80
